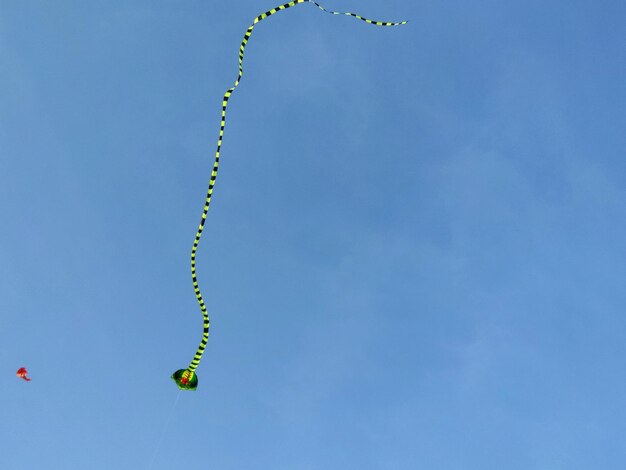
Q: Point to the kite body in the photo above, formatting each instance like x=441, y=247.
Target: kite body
x=22, y=374
x=186, y=379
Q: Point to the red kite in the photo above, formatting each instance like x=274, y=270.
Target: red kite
x=21, y=373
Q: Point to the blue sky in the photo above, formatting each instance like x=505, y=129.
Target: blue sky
x=414, y=259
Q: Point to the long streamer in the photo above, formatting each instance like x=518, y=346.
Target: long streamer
x=187, y=379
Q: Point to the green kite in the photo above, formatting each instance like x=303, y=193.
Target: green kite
x=186, y=379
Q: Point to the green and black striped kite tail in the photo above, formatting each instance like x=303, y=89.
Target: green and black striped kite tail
x=377, y=23
x=186, y=379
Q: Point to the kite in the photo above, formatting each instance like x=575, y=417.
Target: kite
x=22, y=373
x=186, y=379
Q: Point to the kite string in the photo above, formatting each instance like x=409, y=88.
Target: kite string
x=163, y=431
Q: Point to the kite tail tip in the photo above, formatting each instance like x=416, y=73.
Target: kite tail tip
x=185, y=379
